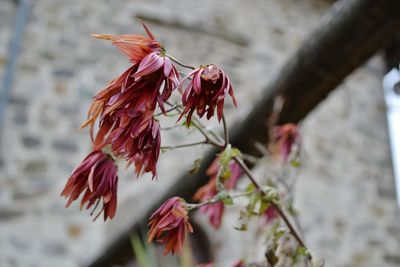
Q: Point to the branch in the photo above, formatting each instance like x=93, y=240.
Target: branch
x=181, y=64
x=185, y=145
x=281, y=213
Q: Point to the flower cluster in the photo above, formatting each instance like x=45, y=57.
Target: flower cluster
x=126, y=106
x=123, y=125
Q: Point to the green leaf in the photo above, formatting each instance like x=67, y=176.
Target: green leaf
x=224, y=197
x=302, y=251
x=243, y=227
x=250, y=208
x=228, y=200
x=295, y=163
x=225, y=174
x=195, y=166
x=235, y=152
x=263, y=207
x=279, y=232
x=250, y=188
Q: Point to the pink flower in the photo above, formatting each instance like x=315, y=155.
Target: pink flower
x=206, y=91
x=286, y=136
x=216, y=211
x=97, y=178
x=169, y=225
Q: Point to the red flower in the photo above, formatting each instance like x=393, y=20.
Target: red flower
x=96, y=176
x=169, y=225
x=149, y=80
x=127, y=104
x=286, y=136
x=206, y=91
x=216, y=211
x=136, y=48
x=144, y=85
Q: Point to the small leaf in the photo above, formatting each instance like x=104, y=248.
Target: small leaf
x=250, y=188
x=295, y=163
x=279, y=232
x=243, y=227
x=302, y=251
x=195, y=166
x=228, y=200
x=225, y=175
x=263, y=207
x=224, y=197
x=235, y=152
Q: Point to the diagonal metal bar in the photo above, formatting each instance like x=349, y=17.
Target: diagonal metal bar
x=351, y=32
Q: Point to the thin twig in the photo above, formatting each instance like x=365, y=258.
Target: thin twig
x=292, y=230
x=216, y=199
x=248, y=173
x=216, y=136
x=185, y=145
x=166, y=111
x=208, y=138
x=199, y=124
x=181, y=64
x=281, y=213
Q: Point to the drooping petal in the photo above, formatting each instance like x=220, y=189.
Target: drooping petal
x=206, y=92
x=97, y=177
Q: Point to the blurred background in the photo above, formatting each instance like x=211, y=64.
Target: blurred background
x=345, y=193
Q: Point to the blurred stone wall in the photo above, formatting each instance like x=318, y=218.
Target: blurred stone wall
x=346, y=195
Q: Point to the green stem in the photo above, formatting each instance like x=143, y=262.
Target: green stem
x=193, y=206
x=185, y=145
